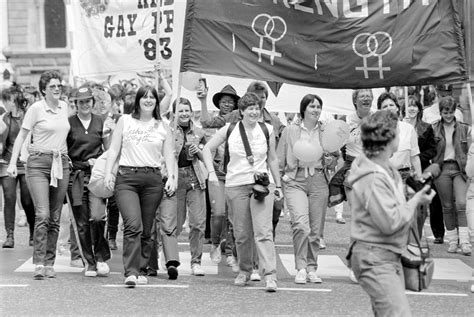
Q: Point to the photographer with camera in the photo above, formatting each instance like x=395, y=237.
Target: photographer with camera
x=248, y=189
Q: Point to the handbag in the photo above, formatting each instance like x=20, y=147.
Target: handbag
x=96, y=183
x=418, y=265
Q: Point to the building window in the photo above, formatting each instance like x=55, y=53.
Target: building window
x=55, y=24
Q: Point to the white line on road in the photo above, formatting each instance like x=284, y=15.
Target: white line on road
x=149, y=286
x=436, y=294
x=14, y=285
x=323, y=290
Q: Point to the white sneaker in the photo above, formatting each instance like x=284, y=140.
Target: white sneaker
x=197, y=270
x=22, y=222
x=162, y=259
x=216, y=254
x=301, y=276
x=255, y=276
x=314, y=278
x=322, y=244
x=102, y=269
x=90, y=272
x=142, y=280
x=232, y=262
x=131, y=281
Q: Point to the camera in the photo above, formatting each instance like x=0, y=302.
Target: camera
x=427, y=178
x=260, y=189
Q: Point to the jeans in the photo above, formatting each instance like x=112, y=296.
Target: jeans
x=9, y=208
x=436, y=216
x=218, y=212
x=452, y=188
x=113, y=215
x=252, y=224
x=470, y=210
x=189, y=194
x=307, y=200
x=138, y=193
x=48, y=202
x=90, y=218
x=380, y=274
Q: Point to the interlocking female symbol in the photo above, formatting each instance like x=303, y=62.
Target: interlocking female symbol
x=268, y=30
x=373, y=45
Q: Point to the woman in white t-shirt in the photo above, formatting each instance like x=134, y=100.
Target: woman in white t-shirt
x=143, y=141
x=249, y=212
x=47, y=168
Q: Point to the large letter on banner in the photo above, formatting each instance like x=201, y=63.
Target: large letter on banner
x=330, y=43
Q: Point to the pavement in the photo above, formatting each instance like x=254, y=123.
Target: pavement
x=73, y=294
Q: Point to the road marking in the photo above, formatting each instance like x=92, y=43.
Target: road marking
x=329, y=266
x=322, y=290
x=148, y=286
x=14, y=285
x=435, y=294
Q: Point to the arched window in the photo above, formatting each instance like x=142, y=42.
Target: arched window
x=55, y=24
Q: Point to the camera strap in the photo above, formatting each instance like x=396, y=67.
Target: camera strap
x=245, y=141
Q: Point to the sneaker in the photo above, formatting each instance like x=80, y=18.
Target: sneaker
x=161, y=259
x=216, y=254
x=9, y=243
x=438, y=240
x=466, y=249
x=197, y=270
x=39, y=272
x=322, y=244
x=241, y=279
x=22, y=222
x=102, y=269
x=151, y=271
x=314, y=278
x=172, y=272
x=131, y=281
x=301, y=276
x=340, y=220
x=49, y=272
x=270, y=284
x=142, y=280
x=232, y=262
x=453, y=247
x=112, y=244
x=255, y=276
x=352, y=277
x=90, y=272
x=76, y=263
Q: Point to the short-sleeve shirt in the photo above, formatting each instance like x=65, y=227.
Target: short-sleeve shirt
x=142, y=142
x=354, y=143
x=239, y=170
x=407, y=147
x=49, y=127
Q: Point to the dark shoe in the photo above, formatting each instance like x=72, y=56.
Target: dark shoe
x=172, y=272
x=151, y=271
x=9, y=243
x=49, y=272
x=438, y=240
x=39, y=272
x=112, y=244
x=30, y=242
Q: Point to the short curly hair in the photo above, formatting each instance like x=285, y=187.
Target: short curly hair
x=46, y=77
x=249, y=99
x=378, y=130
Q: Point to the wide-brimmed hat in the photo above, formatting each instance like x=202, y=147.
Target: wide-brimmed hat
x=83, y=93
x=226, y=91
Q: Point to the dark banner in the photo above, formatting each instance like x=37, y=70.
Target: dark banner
x=326, y=43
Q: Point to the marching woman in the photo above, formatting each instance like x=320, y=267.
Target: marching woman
x=47, y=169
x=142, y=140
x=251, y=202
x=86, y=143
x=10, y=125
x=305, y=188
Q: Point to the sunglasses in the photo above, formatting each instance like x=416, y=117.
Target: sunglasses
x=55, y=86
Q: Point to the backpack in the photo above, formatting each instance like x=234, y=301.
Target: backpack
x=225, y=160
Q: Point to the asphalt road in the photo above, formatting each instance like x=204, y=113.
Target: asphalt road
x=71, y=293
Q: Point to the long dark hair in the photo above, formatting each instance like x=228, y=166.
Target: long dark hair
x=142, y=91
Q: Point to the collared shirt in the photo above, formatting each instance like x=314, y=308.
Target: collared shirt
x=49, y=127
x=407, y=148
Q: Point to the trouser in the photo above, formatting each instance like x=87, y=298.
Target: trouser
x=189, y=194
x=90, y=219
x=48, y=202
x=113, y=215
x=307, y=199
x=436, y=216
x=380, y=274
x=9, y=185
x=251, y=221
x=138, y=193
x=470, y=210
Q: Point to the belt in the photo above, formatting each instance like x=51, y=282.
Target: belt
x=144, y=169
x=450, y=162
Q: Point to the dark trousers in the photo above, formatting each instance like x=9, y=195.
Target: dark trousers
x=113, y=216
x=138, y=193
x=436, y=217
x=9, y=196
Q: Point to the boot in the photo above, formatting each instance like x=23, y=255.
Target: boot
x=10, y=242
x=466, y=247
x=452, y=237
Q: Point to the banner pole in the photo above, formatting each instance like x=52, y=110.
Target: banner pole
x=471, y=107
x=405, y=90
x=157, y=38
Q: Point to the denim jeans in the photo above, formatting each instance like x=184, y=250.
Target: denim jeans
x=166, y=220
x=90, y=218
x=138, y=193
x=307, y=200
x=470, y=210
x=252, y=224
x=189, y=194
x=218, y=212
x=452, y=188
x=380, y=274
x=113, y=216
x=48, y=202
x=9, y=196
